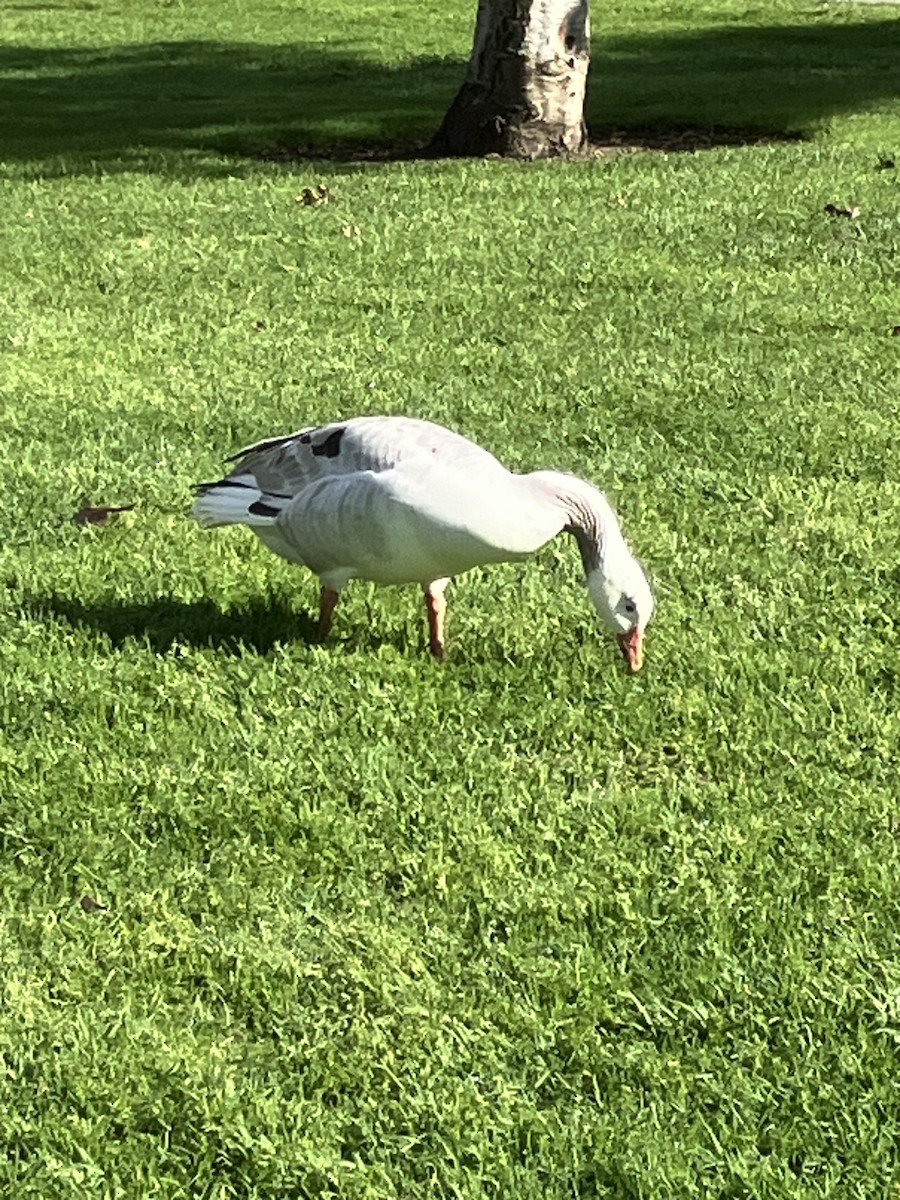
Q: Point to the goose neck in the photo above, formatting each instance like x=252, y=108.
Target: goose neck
x=589, y=518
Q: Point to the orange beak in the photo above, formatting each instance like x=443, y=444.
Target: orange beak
x=632, y=646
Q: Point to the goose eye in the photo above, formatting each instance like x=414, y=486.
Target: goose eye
x=630, y=607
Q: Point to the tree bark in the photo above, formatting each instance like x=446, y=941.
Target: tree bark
x=524, y=93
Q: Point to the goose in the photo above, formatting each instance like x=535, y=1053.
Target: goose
x=401, y=500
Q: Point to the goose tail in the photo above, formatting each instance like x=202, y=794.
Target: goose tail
x=237, y=500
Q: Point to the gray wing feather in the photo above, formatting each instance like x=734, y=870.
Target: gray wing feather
x=286, y=465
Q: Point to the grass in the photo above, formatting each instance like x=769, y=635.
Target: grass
x=517, y=925
x=83, y=87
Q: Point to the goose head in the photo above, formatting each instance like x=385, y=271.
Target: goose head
x=621, y=594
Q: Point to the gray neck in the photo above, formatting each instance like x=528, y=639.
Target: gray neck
x=589, y=517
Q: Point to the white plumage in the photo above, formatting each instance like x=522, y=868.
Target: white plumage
x=399, y=500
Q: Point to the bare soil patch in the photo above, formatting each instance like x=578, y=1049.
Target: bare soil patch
x=603, y=143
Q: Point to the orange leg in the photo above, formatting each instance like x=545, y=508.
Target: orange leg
x=328, y=599
x=436, y=605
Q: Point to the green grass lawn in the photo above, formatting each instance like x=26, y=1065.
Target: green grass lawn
x=517, y=925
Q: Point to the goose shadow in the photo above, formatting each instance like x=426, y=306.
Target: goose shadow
x=258, y=626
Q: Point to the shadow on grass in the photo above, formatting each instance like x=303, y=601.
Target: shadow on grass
x=125, y=106
x=163, y=623
x=785, y=78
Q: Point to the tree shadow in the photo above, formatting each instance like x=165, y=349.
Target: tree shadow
x=162, y=623
x=784, y=78
x=126, y=107
x=140, y=106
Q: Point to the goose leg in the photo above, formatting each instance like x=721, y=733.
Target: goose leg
x=436, y=606
x=328, y=599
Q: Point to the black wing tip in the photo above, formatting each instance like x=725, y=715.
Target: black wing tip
x=329, y=448
x=259, y=508
x=202, y=488
x=271, y=443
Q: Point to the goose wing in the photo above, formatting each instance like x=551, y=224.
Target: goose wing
x=286, y=465
x=392, y=499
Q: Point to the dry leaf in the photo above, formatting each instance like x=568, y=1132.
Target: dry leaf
x=315, y=195
x=89, y=904
x=839, y=210
x=96, y=515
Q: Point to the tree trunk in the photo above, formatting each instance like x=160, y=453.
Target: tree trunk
x=524, y=93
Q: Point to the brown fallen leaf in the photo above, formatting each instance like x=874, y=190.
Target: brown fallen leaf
x=840, y=210
x=896, y=331
x=96, y=515
x=319, y=194
x=89, y=904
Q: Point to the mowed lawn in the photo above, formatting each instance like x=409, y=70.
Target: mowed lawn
x=282, y=920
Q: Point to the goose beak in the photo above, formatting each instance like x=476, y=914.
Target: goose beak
x=632, y=646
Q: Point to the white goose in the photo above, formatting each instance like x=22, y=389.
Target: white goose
x=398, y=500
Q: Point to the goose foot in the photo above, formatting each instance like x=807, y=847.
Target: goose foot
x=328, y=599
x=436, y=606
